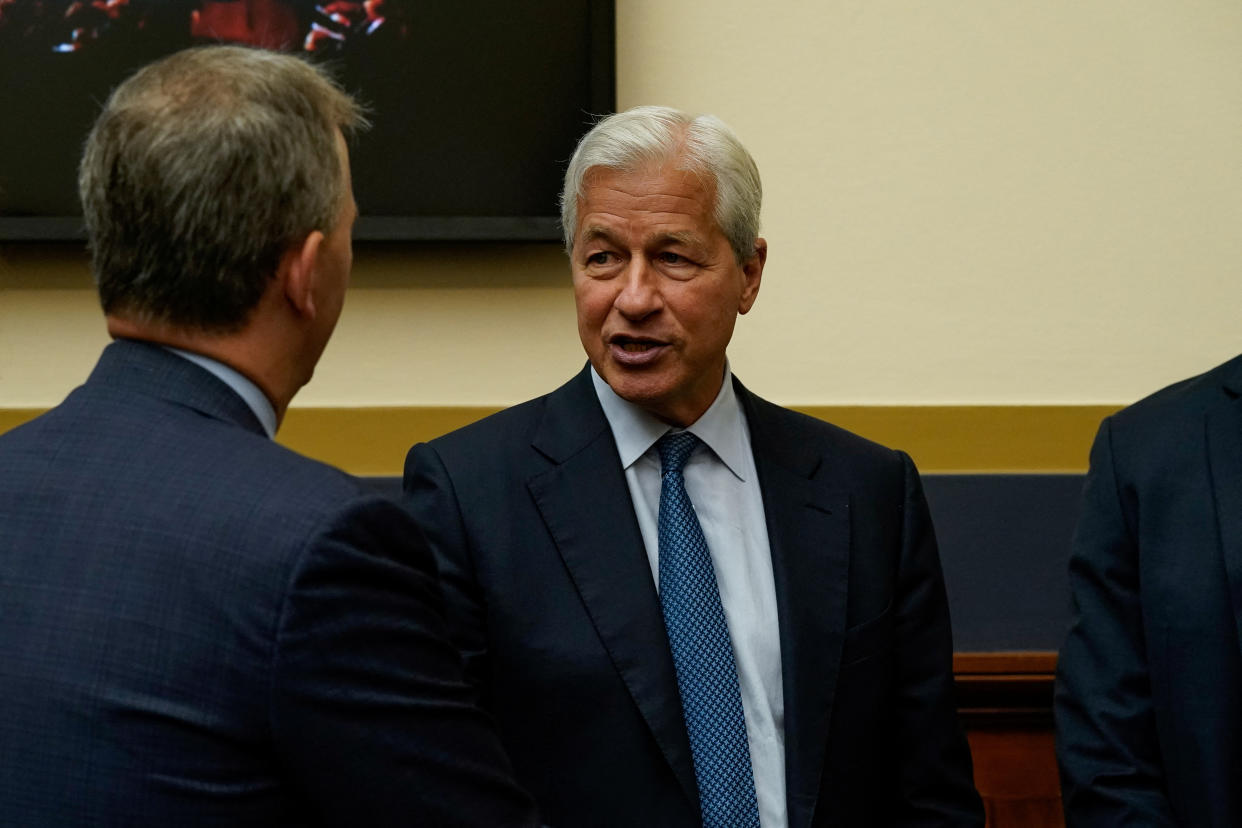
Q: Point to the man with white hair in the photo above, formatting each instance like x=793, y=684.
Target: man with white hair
x=685, y=605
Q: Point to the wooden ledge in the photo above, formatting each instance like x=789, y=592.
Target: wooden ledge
x=1005, y=689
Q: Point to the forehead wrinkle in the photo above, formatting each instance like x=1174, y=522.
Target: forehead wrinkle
x=647, y=207
x=687, y=237
x=659, y=238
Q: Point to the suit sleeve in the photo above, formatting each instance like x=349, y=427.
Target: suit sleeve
x=430, y=498
x=1106, y=731
x=934, y=773
x=369, y=708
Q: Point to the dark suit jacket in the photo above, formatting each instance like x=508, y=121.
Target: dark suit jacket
x=550, y=593
x=1149, y=696
x=200, y=627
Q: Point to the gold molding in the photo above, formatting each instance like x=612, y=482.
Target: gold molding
x=13, y=417
x=974, y=439
x=944, y=439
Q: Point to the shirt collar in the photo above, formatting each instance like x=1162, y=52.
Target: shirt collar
x=722, y=427
x=244, y=388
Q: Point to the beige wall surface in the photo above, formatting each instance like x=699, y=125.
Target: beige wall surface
x=967, y=202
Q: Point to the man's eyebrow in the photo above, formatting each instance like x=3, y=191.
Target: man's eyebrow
x=594, y=231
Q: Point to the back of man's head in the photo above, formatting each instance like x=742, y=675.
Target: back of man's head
x=203, y=168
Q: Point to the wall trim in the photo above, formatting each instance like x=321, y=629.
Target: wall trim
x=942, y=439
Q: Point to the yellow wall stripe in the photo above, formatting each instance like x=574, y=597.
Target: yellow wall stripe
x=1040, y=439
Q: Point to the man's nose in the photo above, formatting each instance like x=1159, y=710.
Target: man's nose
x=640, y=291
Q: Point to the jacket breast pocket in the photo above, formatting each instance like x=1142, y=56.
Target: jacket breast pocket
x=869, y=639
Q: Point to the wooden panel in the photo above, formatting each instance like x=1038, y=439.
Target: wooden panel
x=996, y=664
x=1005, y=689
x=1016, y=774
x=1005, y=701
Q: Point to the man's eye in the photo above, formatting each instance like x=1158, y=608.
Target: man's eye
x=672, y=258
x=601, y=258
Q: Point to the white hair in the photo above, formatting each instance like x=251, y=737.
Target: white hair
x=703, y=144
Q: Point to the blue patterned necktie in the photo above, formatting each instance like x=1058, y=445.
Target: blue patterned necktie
x=698, y=636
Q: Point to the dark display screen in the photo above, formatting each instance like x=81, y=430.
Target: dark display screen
x=476, y=106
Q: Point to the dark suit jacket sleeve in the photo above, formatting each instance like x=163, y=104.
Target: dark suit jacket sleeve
x=431, y=501
x=368, y=703
x=1106, y=731
x=934, y=772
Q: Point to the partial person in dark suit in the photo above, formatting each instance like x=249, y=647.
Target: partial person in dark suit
x=685, y=605
x=198, y=626
x=1149, y=685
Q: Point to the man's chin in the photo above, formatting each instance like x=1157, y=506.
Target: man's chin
x=639, y=385
x=652, y=394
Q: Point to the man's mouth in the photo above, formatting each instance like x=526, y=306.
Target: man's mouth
x=635, y=350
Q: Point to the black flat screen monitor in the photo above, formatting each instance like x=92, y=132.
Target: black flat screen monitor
x=476, y=104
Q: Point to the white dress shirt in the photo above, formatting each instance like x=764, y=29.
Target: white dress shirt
x=724, y=488
x=243, y=387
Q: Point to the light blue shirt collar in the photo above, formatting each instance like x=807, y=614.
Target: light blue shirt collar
x=722, y=426
x=244, y=388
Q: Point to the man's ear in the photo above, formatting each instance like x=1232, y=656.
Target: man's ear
x=752, y=274
x=297, y=274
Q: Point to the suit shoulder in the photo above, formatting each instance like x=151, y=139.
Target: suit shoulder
x=1179, y=405
x=302, y=473
x=813, y=433
x=303, y=495
x=493, y=435
x=288, y=510
x=819, y=449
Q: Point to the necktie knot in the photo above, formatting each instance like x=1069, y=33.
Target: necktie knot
x=675, y=450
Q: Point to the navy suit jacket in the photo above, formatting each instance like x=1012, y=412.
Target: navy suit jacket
x=551, y=596
x=200, y=627
x=1149, y=694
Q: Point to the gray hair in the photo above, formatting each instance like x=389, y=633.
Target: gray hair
x=200, y=172
x=705, y=145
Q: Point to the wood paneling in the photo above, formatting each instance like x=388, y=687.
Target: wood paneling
x=1005, y=701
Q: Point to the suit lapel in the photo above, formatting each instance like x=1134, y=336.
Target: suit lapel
x=1224, y=437
x=586, y=505
x=808, y=531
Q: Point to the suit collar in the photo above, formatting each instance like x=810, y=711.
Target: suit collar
x=807, y=512
x=766, y=423
x=144, y=368
x=239, y=383
x=1224, y=457
x=1231, y=377
x=572, y=419
x=586, y=506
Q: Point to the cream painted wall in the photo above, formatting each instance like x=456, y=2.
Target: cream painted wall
x=1036, y=201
